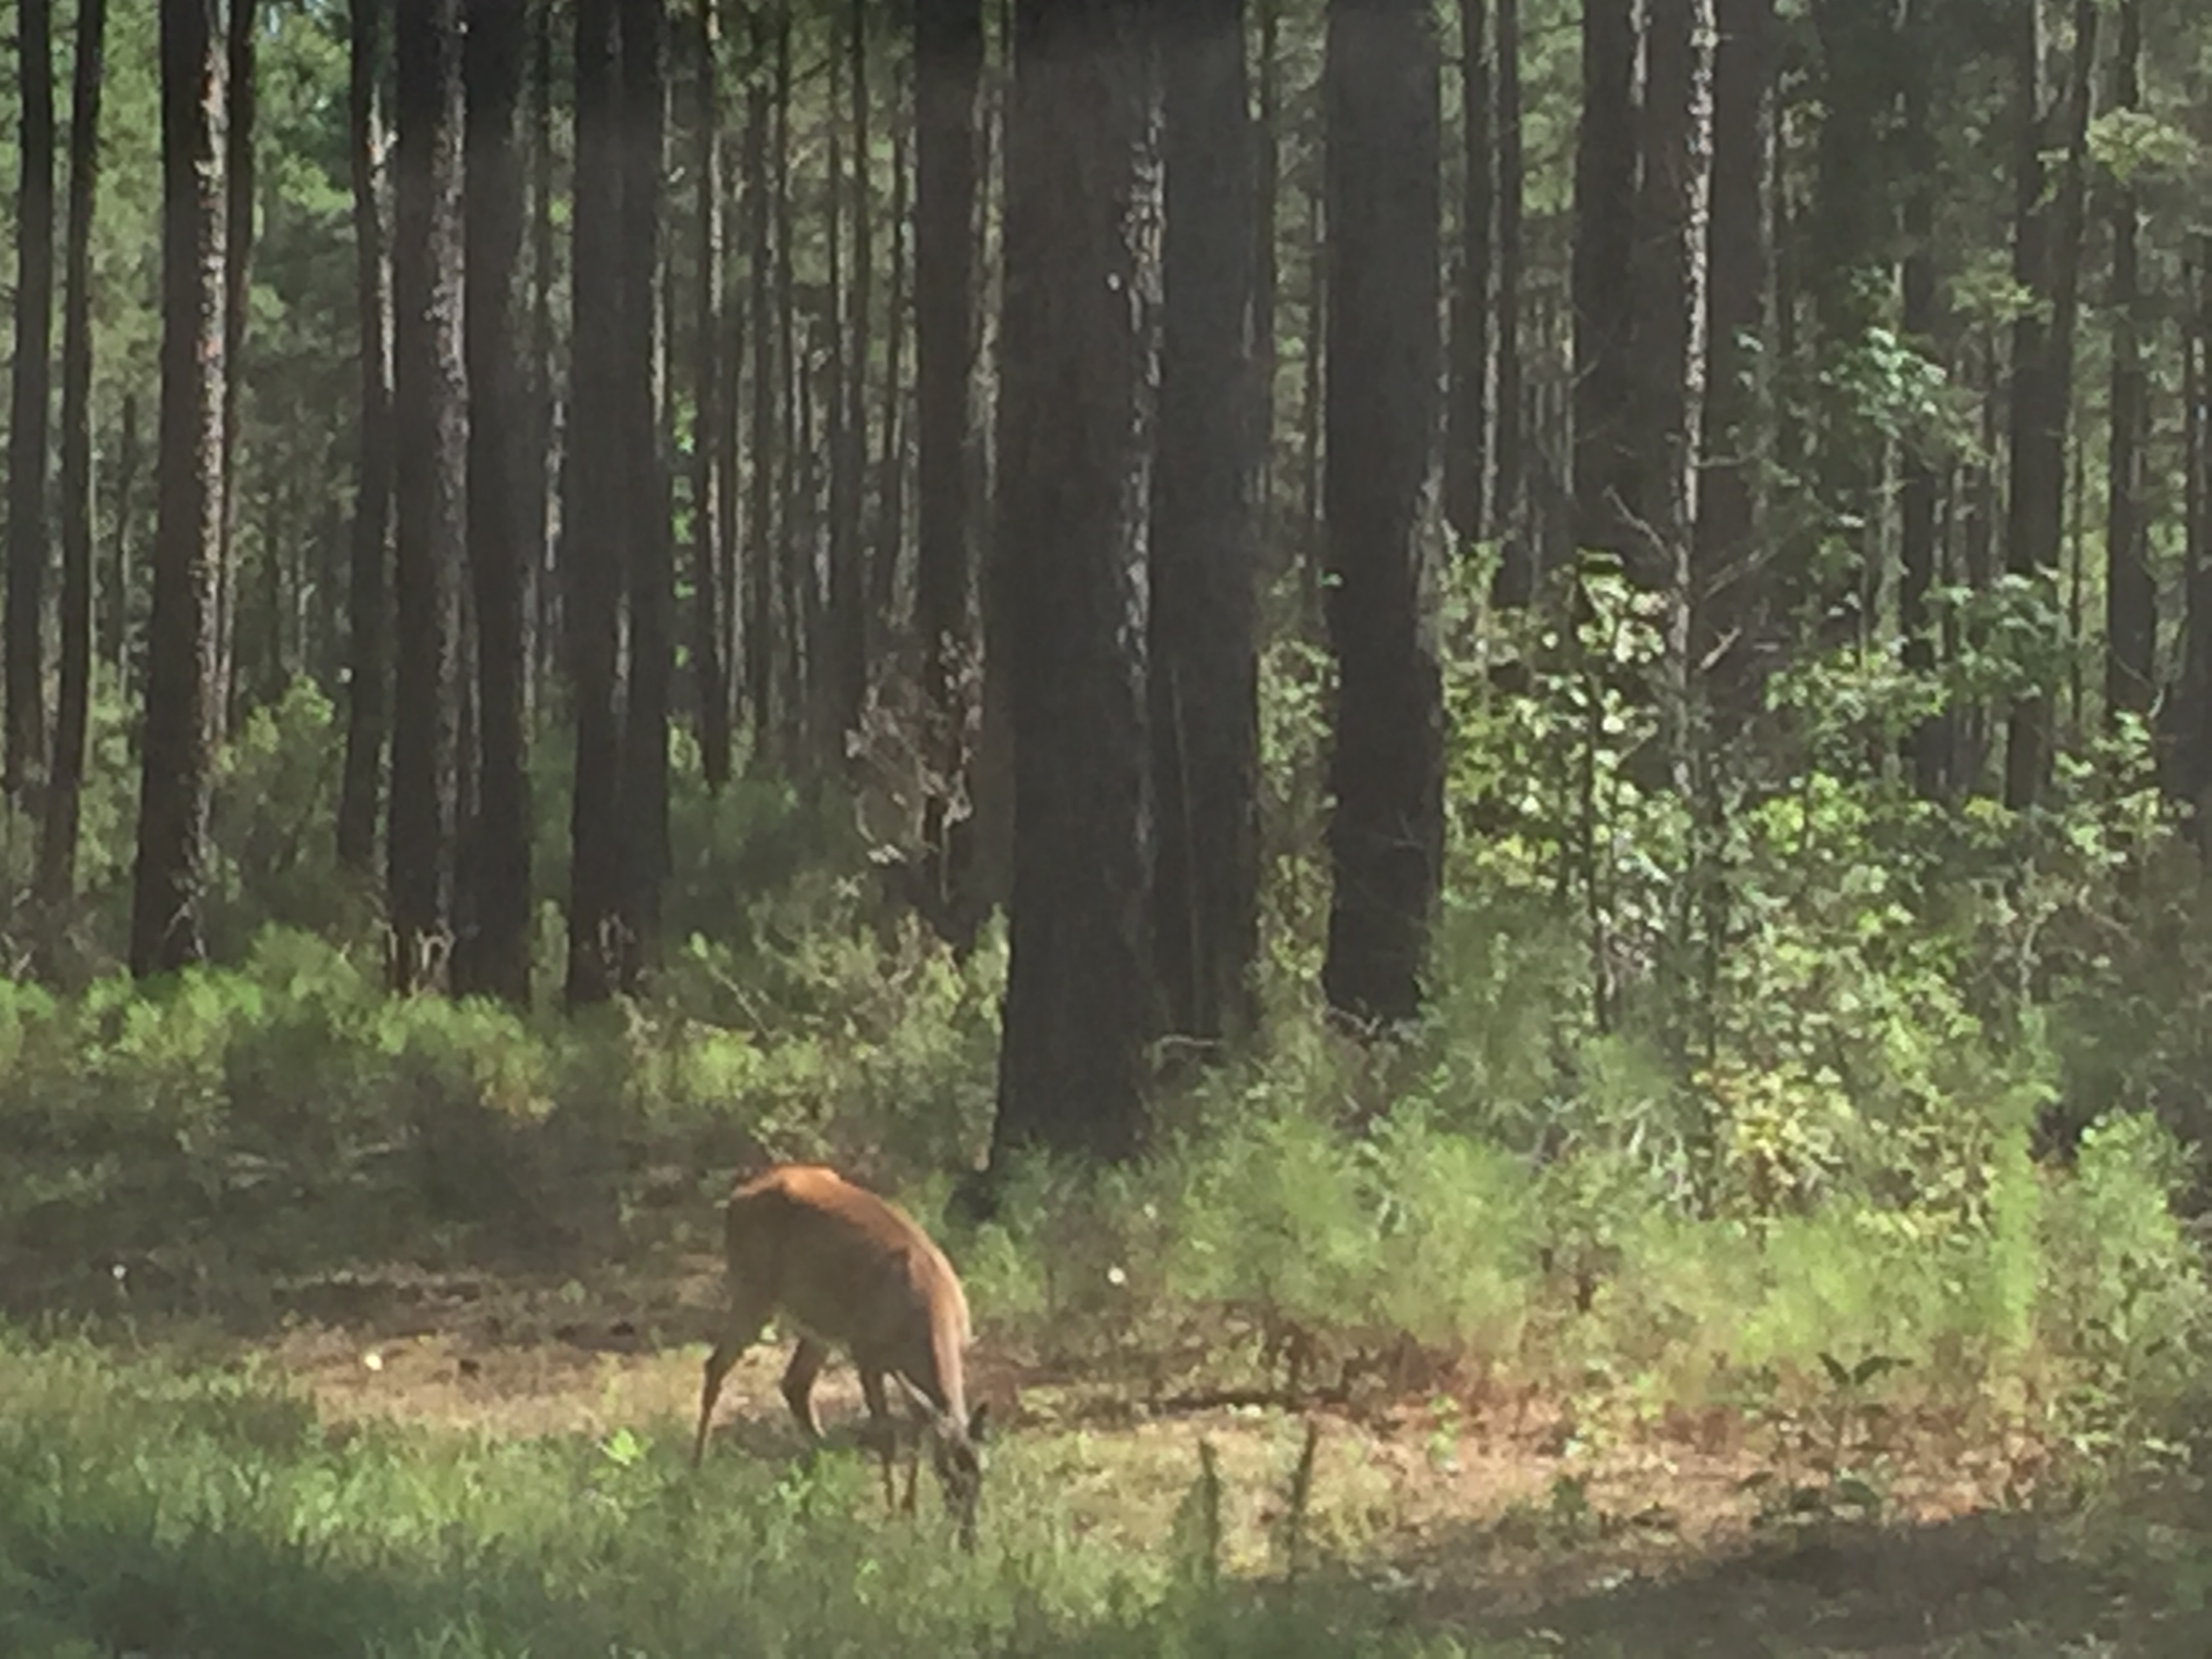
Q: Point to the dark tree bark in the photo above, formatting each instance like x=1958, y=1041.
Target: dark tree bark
x=1728, y=610
x=1604, y=294
x=430, y=416
x=115, y=612
x=369, y=602
x=1848, y=245
x=796, y=522
x=1673, y=211
x=2047, y=263
x=1386, y=770
x=592, y=540
x=57, y=844
x=1466, y=409
x=2192, y=769
x=2130, y=595
x=708, y=480
x=545, y=445
x=1515, y=581
x=497, y=961
x=239, y=170
x=168, y=881
x=1267, y=209
x=652, y=579
x=948, y=73
x=761, y=561
x=1921, y=488
x=1204, y=544
x=1078, y=373
x=848, y=547
x=30, y=394
x=891, y=466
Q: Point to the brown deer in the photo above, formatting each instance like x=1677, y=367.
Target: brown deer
x=846, y=1270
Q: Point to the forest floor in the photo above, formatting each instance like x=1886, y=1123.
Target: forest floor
x=1501, y=1523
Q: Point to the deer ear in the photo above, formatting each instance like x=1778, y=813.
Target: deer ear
x=979, y=1423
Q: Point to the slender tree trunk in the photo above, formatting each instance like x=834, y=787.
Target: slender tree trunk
x=1205, y=541
x=238, y=142
x=891, y=466
x=1466, y=409
x=1267, y=211
x=763, y=560
x=1727, y=608
x=499, y=491
x=708, y=480
x=57, y=846
x=2047, y=260
x=168, y=882
x=543, y=515
x=1675, y=210
x=368, y=604
x=1847, y=238
x=1606, y=503
x=948, y=73
x=645, y=771
x=1515, y=581
x=30, y=396
x=1079, y=366
x=115, y=614
x=1925, y=744
x=1314, y=387
x=430, y=547
x=1386, y=770
x=795, y=519
x=593, y=538
x=850, y=561
x=2192, y=772
x=2130, y=595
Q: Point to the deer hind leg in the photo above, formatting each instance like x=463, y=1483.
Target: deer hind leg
x=883, y=1429
x=741, y=1328
x=807, y=1360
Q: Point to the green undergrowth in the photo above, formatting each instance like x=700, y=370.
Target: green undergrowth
x=148, y=1509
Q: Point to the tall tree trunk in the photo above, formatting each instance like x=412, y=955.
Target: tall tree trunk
x=1386, y=771
x=499, y=488
x=652, y=586
x=1728, y=589
x=167, y=886
x=1674, y=209
x=1606, y=503
x=30, y=394
x=2047, y=263
x=238, y=142
x=368, y=601
x=1925, y=744
x=2191, y=772
x=115, y=614
x=593, y=538
x=1079, y=365
x=708, y=482
x=763, y=561
x=1204, y=542
x=1266, y=210
x=848, y=565
x=948, y=75
x=1467, y=411
x=57, y=846
x=543, y=516
x=1515, y=581
x=891, y=466
x=2130, y=595
x=1847, y=242
x=795, y=520
x=430, y=416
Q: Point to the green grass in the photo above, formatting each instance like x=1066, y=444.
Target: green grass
x=148, y=1508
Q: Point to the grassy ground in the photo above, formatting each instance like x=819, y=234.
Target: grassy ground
x=407, y=1462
